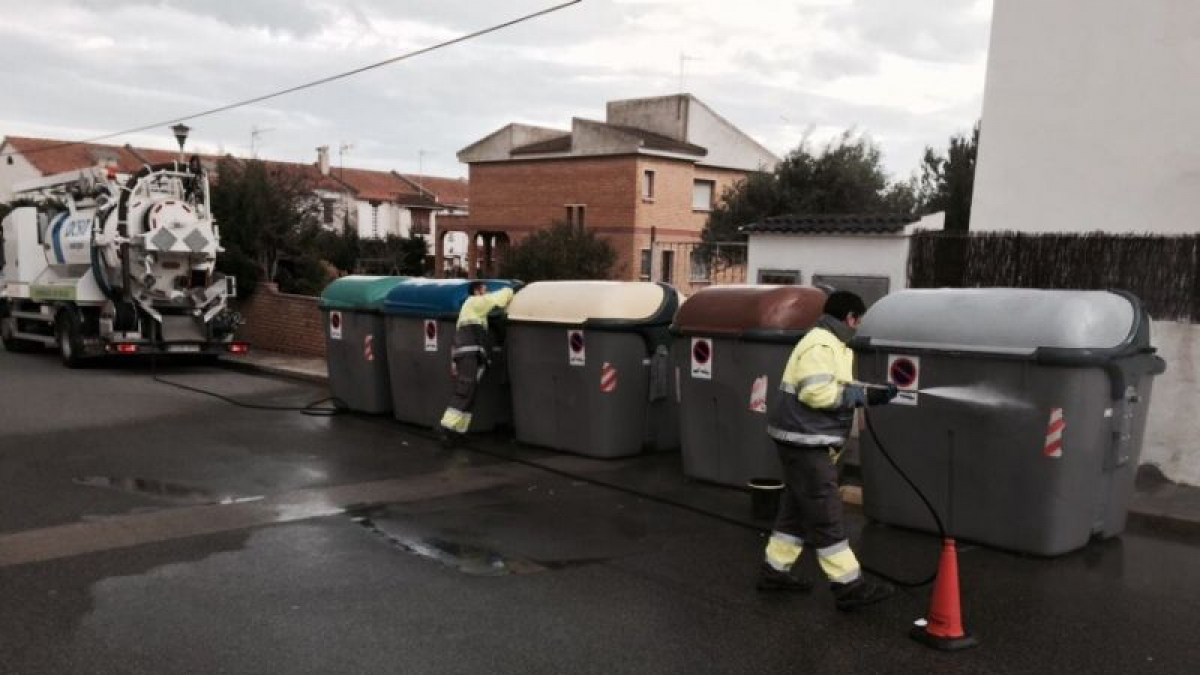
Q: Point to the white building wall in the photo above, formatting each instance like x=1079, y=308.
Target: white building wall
x=382, y=220
x=1171, y=441
x=727, y=146
x=1090, y=118
x=865, y=255
x=19, y=170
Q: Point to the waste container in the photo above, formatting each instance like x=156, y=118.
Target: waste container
x=355, y=342
x=1021, y=412
x=731, y=344
x=420, y=316
x=590, y=366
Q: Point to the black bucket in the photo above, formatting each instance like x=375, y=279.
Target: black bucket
x=764, y=497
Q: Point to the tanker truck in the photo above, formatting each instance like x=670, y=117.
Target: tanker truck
x=101, y=266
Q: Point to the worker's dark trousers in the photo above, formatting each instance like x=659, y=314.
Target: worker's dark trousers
x=469, y=366
x=811, y=506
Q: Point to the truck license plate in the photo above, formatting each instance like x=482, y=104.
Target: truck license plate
x=184, y=349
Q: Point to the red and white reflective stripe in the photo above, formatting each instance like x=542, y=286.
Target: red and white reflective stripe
x=608, y=378
x=1054, y=433
x=369, y=347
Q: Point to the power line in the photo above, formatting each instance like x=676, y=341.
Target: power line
x=306, y=85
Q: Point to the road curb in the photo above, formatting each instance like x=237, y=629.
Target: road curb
x=276, y=371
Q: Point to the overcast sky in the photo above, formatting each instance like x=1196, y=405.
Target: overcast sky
x=907, y=72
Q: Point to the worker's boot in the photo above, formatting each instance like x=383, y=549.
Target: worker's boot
x=860, y=593
x=447, y=439
x=771, y=579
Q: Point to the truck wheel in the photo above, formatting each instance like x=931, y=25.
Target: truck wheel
x=12, y=343
x=70, y=344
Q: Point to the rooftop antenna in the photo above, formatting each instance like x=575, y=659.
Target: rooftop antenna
x=256, y=132
x=421, y=162
x=343, y=148
x=683, y=59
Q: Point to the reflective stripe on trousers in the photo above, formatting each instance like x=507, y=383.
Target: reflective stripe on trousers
x=839, y=563
x=456, y=420
x=783, y=550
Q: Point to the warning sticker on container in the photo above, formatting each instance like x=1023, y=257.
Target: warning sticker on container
x=678, y=386
x=758, y=395
x=431, y=335
x=1054, y=434
x=335, y=325
x=576, y=351
x=905, y=373
x=369, y=347
x=608, y=378
x=702, y=353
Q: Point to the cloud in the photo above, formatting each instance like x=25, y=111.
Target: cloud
x=908, y=73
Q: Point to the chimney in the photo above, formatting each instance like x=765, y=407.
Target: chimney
x=323, y=159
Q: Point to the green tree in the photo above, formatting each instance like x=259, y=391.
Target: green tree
x=268, y=216
x=394, y=255
x=845, y=176
x=947, y=182
x=561, y=251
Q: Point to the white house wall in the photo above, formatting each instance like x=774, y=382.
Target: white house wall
x=1170, y=442
x=19, y=170
x=727, y=146
x=382, y=220
x=866, y=255
x=1090, y=118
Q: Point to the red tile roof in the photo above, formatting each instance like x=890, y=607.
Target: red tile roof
x=373, y=185
x=448, y=191
x=50, y=156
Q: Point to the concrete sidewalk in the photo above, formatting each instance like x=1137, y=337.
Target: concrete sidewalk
x=1157, y=501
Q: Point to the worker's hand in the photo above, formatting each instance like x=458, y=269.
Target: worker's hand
x=882, y=396
x=856, y=395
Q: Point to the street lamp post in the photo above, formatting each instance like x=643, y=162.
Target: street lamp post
x=181, y=133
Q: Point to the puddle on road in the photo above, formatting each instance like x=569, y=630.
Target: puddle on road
x=466, y=558
x=163, y=490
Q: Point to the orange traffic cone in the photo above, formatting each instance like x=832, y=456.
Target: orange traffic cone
x=943, y=629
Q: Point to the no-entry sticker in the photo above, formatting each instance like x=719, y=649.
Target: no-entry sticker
x=702, y=354
x=576, y=348
x=335, y=325
x=905, y=373
x=431, y=329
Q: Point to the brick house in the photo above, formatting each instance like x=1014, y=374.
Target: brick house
x=650, y=172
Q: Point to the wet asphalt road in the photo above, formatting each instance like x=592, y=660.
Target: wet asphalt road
x=354, y=545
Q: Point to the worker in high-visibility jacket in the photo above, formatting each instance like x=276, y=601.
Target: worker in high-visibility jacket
x=469, y=356
x=809, y=420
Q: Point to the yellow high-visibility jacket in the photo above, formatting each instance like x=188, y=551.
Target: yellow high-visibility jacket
x=477, y=307
x=813, y=407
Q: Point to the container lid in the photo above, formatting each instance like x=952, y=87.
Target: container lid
x=363, y=293
x=598, y=303
x=434, y=298
x=1005, y=321
x=734, y=310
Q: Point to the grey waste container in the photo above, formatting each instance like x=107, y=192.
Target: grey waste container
x=355, y=343
x=731, y=344
x=590, y=366
x=1044, y=456
x=420, y=317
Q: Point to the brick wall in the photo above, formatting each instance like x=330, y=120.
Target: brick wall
x=281, y=322
x=526, y=195
x=535, y=193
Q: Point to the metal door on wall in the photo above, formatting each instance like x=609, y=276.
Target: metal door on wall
x=869, y=288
